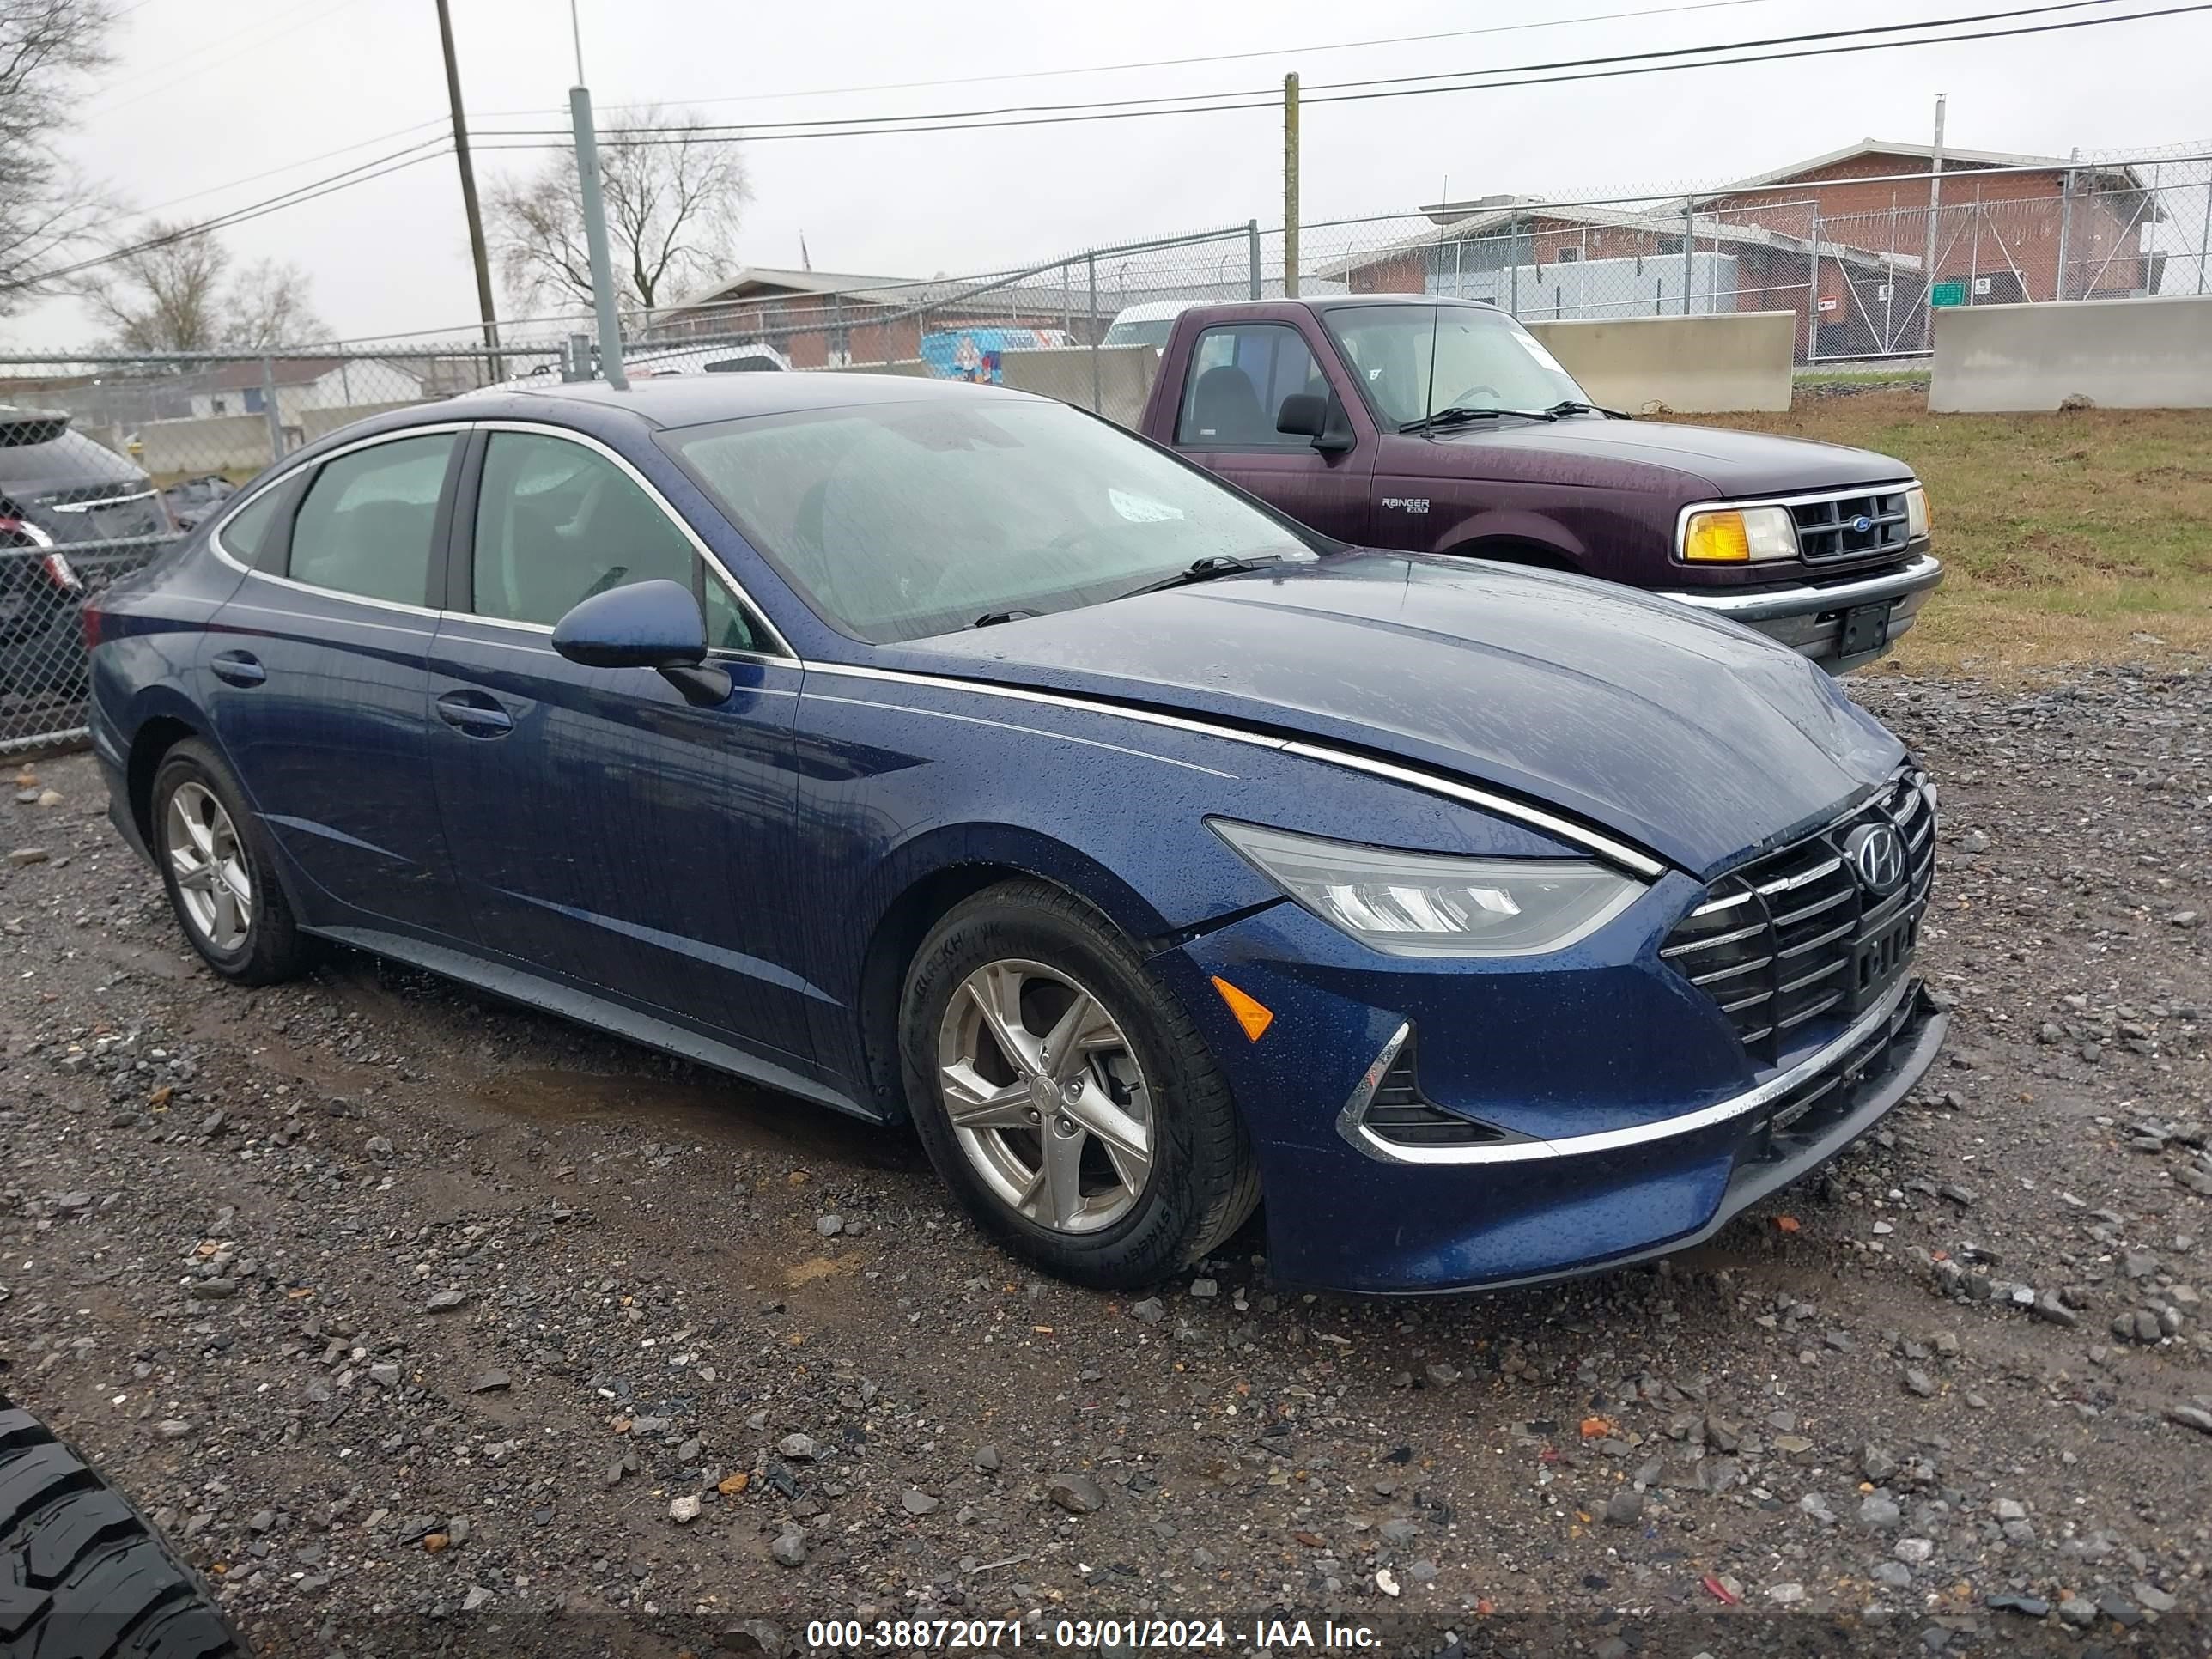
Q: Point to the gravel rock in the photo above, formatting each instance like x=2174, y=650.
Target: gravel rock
x=917, y=1502
x=1625, y=1508
x=685, y=1510
x=789, y=1549
x=1079, y=1494
x=798, y=1448
x=830, y=1225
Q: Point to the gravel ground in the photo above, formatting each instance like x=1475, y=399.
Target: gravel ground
x=426, y=1324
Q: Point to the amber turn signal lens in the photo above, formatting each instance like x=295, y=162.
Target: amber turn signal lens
x=1256, y=1018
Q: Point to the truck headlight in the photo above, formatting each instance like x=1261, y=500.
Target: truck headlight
x=1438, y=904
x=1917, y=518
x=1739, y=535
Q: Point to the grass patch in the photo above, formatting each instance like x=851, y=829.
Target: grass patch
x=2070, y=538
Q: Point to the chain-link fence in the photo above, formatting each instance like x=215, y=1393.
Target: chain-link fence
x=105, y=459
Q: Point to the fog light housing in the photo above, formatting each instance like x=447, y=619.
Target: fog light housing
x=1733, y=535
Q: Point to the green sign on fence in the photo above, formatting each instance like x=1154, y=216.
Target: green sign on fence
x=1949, y=293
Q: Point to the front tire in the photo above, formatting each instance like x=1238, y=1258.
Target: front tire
x=1065, y=1097
x=220, y=869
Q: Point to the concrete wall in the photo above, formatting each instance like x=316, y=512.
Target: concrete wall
x=212, y=444
x=1125, y=376
x=1697, y=365
x=2119, y=354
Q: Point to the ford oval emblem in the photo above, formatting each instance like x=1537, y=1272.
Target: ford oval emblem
x=1863, y=524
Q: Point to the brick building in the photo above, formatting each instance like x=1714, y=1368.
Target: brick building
x=1842, y=237
x=2008, y=227
x=827, y=320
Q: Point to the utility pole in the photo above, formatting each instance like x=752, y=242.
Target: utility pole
x=484, y=306
x=1935, y=202
x=595, y=219
x=1290, y=186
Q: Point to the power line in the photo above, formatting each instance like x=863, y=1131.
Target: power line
x=294, y=167
x=1199, y=100
x=385, y=165
x=1165, y=62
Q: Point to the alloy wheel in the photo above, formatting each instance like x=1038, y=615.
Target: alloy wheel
x=1046, y=1096
x=213, y=886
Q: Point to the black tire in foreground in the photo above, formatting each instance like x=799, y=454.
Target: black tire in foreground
x=1171, y=1174
x=83, y=1574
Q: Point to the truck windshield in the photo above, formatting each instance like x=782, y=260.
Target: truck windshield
x=1482, y=359
x=897, y=520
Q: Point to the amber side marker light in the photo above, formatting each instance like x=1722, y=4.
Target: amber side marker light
x=1256, y=1018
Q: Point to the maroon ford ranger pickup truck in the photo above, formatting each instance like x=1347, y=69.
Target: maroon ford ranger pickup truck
x=1445, y=427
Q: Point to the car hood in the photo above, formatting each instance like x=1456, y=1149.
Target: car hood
x=1712, y=461
x=1696, y=739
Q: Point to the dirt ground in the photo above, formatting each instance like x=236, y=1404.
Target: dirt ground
x=430, y=1326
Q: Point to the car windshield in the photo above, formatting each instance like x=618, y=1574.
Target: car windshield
x=898, y=520
x=1482, y=359
x=1153, y=333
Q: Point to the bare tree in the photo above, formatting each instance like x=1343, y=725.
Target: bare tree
x=270, y=306
x=170, y=288
x=46, y=49
x=162, y=290
x=673, y=197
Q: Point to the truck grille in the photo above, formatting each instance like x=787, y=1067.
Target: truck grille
x=1853, y=525
x=1801, y=932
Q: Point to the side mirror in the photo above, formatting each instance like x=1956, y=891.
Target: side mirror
x=1311, y=415
x=656, y=625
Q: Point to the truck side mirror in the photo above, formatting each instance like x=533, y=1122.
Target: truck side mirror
x=1311, y=414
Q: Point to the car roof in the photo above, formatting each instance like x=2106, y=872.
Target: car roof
x=679, y=400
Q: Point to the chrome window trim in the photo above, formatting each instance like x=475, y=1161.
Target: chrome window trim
x=1351, y=1124
x=783, y=654
x=545, y=429
x=1615, y=852
x=284, y=477
x=1682, y=515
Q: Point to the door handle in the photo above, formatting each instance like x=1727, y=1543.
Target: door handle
x=474, y=714
x=237, y=668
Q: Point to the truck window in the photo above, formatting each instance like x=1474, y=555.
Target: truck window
x=1237, y=380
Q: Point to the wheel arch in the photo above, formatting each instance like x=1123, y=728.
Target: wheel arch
x=1517, y=549
x=923, y=883
x=154, y=737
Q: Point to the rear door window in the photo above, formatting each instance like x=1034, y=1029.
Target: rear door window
x=1237, y=380
x=369, y=522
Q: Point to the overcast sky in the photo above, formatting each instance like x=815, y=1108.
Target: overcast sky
x=203, y=96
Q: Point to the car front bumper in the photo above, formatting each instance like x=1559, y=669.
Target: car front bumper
x=1632, y=1123
x=1811, y=618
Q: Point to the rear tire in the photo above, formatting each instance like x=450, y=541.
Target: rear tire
x=220, y=868
x=83, y=1574
x=1154, y=1167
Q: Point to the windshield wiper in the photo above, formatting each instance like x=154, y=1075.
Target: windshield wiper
x=1570, y=406
x=992, y=619
x=1460, y=414
x=1205, y=570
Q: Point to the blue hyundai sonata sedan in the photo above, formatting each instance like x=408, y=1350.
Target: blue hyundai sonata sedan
x=938, y=754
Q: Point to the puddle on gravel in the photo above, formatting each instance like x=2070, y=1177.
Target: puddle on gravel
x=707, y=1104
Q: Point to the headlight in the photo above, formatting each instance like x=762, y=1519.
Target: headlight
x=1916, y=512
x=1741, y=535
x=1438, y=904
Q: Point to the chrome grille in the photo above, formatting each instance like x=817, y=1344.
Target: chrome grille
x=1830, y=528
x=1796, y=935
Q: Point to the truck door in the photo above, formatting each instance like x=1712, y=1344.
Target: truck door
x=1237, y=376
